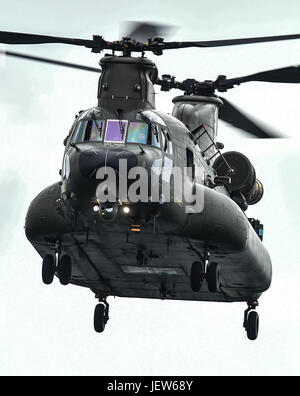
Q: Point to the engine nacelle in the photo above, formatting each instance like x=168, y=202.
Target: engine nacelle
x=243, y=176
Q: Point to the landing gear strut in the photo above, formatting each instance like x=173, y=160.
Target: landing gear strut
x=101, y=316
x=251, y=320
x=205, y=270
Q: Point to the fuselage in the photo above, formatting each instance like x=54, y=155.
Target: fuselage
x=156, y=240
x=118, y=212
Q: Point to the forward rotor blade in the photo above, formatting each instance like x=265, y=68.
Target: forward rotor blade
x=50, y=61
x=156, y=46
x=288, y=75
x=230, y=114
x=25, y=38
x=225, y=43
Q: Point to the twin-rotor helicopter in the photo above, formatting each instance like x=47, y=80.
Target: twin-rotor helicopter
x=154, y=249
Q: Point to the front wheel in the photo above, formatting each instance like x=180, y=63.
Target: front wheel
x=48, y=270
x=64, y=270
x=213, y=277
x=197, y=276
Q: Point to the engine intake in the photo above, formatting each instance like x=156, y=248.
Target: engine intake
x=243, y=176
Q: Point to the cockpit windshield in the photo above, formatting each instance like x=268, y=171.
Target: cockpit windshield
x=138, y=133
x=116, y=131
x=122, y=132
x=89, y=131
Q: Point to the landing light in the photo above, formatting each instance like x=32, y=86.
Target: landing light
x=96, y=208
x=126, y=210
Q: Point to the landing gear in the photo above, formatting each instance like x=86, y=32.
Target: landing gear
x=101, y=316
x=205, y=270
x=64, y=270
x=61, y=266
x=213, y=277
x=251, y=321
x=197, y=276
x=48, y=270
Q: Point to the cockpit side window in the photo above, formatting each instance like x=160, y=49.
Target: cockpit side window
x=167, y=143
x=155, y=136
x=89, y=131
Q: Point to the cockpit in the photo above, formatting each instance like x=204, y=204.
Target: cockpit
x=148, y=129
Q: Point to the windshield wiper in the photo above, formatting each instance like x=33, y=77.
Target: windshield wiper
x=122, y=128
x=99, y=128
x=148, y=122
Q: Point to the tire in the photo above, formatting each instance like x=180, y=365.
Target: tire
x=100, y=318
x=196, y=276
x=252, y=325
x=48, y=270
x=213, y=277
x=64, y=270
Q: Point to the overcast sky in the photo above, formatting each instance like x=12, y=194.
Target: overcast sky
x=49, y=330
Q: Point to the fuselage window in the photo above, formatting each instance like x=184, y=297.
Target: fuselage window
x=190, y=163
x=164, y=141
x=170, y=144
x=89, y=131
x=116, y=131
x=66, y=167
x=138, y=133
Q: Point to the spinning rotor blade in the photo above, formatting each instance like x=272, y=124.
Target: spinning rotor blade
x=230, y=114
x=142, y=31
x=50, y=61
x=289, y=75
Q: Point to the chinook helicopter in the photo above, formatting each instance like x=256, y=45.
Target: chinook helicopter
x=155, y=249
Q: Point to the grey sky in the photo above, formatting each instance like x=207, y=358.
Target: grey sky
x=49, y=330
x=11, y=207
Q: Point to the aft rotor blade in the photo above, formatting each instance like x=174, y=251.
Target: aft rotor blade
x=50, y=61
x=225, y=43
x=288, y=75
x=25, y=38
x=230, y=114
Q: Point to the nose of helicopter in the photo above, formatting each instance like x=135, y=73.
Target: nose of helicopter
x=95, y=158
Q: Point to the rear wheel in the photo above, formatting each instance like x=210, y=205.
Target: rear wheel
x=213, y=277
x=197, y=275
x=100, y=318
x=252, y=325
x=64, y=270
x=48, y=270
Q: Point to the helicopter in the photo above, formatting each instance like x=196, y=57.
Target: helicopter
x=91, y=233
